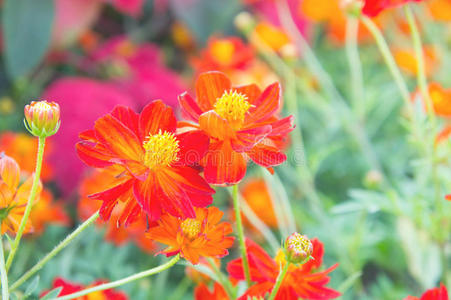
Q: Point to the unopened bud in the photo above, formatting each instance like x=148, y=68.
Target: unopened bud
x=244, y=21
x=42, y=118
x=373, y=179
x=298, y=248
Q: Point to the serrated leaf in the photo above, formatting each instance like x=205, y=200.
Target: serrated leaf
x=27, y=29
x=52, y=294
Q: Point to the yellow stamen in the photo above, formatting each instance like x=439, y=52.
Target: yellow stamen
x=232, y=106
x=191, y=228
x=161, y=150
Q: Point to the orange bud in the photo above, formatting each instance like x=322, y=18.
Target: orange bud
x=42, y=118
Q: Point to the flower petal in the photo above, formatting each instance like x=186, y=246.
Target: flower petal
x=9, y=171
x=266, y=156
x=190, y=109
x=193, y=146
x=127, y=117
x=209, y=87
x=92, y=156
x=215, y=126
x=154, y=117
x=246, y=139
x=265, y=106
x=118, y=138
x=282, y=126
x=223, y=166
x=252, y=91
x=147, y=195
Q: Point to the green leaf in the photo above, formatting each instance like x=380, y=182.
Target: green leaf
x=32, y=287
x=27, y=29
x=52, y=294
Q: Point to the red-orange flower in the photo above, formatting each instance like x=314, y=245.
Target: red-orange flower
x=257, y=196
x=440, y=9
x=46, y=211
x=440, y=293
x=13, y=199
x=300, y=281
x=70, y=288
x=372, y=8
x=202, y=292
x=241, y=123
x=104, y=179
x=154, y=163
x=23, y=148
x=193, y=238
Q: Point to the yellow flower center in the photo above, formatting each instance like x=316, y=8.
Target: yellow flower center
x=222, y=51
x=191, y=228
x=161, y=150
x=232, y=106
x=299, y=243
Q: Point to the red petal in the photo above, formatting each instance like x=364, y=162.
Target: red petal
x=223, y=166
x=252, y=91
x=246, y=139
x=88, y=135
x=147, y=195
x=193, y=146
x=266, y=156
x=265, y=106
x=282, y=126
x=156, y=116
x=118, y=138
x=91, y=156
x=209, y=87
x=215, y=126
x=127, y=117
x=190, y=109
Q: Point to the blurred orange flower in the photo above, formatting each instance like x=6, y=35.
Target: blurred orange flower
x=407, y=61
x=70, y=288
x=372, y=8
x=199, y=277
x=241, y=123
x=257, y=196
x=202, y=292
x=440, y=293
x=301, y=281
x=13, y=199
x=271, y=35
x=23, y=148
x=46, y=211
x=104, y=179
x=153, y=162
x=440, y=9
x=193, y=238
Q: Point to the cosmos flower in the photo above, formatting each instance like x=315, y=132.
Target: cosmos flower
x=70, y=288
x=154, y=163
x=13, y=199
x=46, y=211
x=406, y=60
x=441, y=99
x=440, y=9
x=440, y=293
x=241, y=123
x=303, y=281
x=193, y=238
x=202, y=292
x=372, y=8
x=102, y=180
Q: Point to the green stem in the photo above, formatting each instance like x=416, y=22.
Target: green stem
x=122, y=281
x=240, y=233
x=55, y=251
x=222, y=280
x=389, y=60
x=3, y=273
x=31, y=198
x=279, y=280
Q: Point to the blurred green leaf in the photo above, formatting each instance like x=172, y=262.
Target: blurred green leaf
x=31, y=287
x=52, y=294
x=27, y=29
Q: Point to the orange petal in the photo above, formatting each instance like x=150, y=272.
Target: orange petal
x=266, y=156
x=215, y=126
x=209, y=87
x=9, y=171
x=252, y=91
x=266, y=105
x=190, y=109
x=156, y=116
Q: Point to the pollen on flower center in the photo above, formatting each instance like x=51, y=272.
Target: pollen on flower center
x=232, y=106
x=299, y=243
x=161, y=150
x=191, y=228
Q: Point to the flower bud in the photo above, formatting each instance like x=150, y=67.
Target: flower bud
x=42, y=118
x=298, y=248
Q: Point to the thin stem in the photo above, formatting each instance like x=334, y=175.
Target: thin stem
x=355, y=66
x=222, y=280
x=240, y=233
x=279, y=280
x=31, y=198
x=389, y=60
x=55, y=251
x=3, y=273
x=122, y=281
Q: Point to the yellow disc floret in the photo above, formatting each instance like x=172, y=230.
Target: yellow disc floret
x=232, y=106
x=191, y=228
x=161, y=150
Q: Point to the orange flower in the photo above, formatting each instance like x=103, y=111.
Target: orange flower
x=70, y=287
x=271, y=35
x=440, y=9
x=23, y=149
x=257, y=196
x=241, y=123
x=440, y=293
x=13, y=199
x=201, y=292
x=104, y=179
x=194, y=237
x=372, y=8
x=406, y=59
x=153, y=161
x=224, y=54
x=301, y=281
x=45, y=211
